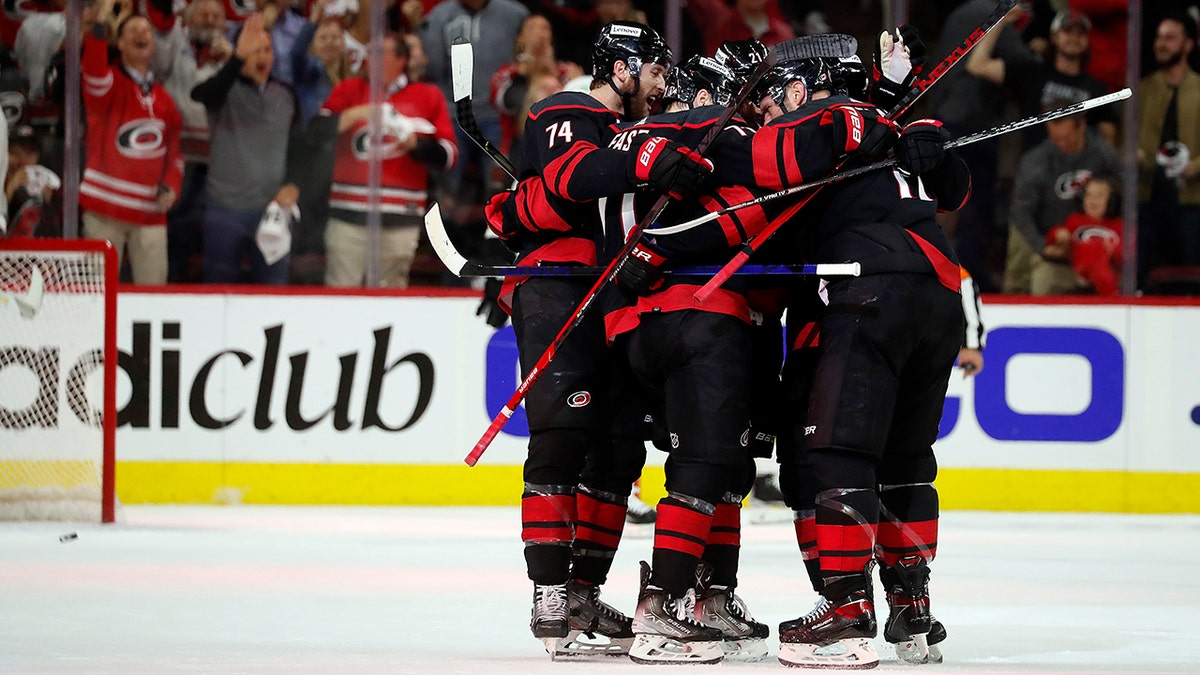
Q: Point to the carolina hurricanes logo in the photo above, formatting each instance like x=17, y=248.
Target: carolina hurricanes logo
x=389, y=146
x=13, y=104
x=745, y=438
x=19, y=9
x=1070, y=184
x=1098, y=233
x=579, y=399
x=141, y=139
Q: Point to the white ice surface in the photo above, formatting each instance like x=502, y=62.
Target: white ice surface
x=443, y=590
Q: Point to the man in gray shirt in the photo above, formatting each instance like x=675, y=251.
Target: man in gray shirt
x=491, y=26
x=1050, y=182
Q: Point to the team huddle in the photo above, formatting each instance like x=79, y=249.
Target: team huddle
x=850, y=404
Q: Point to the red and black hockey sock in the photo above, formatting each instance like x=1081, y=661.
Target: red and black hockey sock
x=680, y=534
x=724, y=544
x=908, y=523
x=806, y=538
x=548, y=528
x=847, y=519
x=601, y=519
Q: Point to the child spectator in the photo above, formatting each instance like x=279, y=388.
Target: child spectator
x=1091, y=238
x=29, y=186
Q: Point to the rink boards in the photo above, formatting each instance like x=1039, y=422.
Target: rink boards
x=315, y=397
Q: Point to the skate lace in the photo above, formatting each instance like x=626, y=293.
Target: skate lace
x=683, y=608
x=819, y=610
x=602, y=607
x=550, y=601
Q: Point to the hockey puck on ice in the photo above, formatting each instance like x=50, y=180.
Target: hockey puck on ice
x=70, y=536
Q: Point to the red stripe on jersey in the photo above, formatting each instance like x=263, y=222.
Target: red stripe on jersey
x=806, y=536
x=739, y=225
x=548, y=519
x=845, y=548
x=726, y=527
x=571, y=106
x=947, y=270
x=808, y=337
x=791, y=164
x=764, y=157
x=897, y=540
x=674, y=299
x=558, y=173
x=568, y=249
x=534, y=210
x=599, y=522
x=681, y=529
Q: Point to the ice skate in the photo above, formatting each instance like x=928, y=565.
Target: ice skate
x=910, y=626
x=744, y=639
x=835, y=634
x=594, y=628
x=666, y=630
x=549, y=616
x=639, y=512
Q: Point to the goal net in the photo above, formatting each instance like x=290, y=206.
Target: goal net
x=57, y=379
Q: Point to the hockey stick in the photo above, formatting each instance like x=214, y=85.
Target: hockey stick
x=999, y=130
x=920, y=86
x=460, y=266
x=610, y=271
x=462, y=69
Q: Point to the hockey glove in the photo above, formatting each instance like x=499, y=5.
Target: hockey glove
x=860, y=130
x=899, y=57
x=493, y=213
x=641, y=273
x=922, y=147
x=668, y=167
x=489, y=307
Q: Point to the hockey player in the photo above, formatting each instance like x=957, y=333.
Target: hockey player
x=584, y=451
x=885, y=344
x=695, y=357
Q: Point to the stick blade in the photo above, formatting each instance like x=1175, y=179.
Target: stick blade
x=825, y=46
x=439, y=240
x=462, y=65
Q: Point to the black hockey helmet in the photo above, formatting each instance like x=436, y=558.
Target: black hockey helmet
x=698, y=73
x=634, y=43
x=815, y=73
x=741, y=56
x=850, y=77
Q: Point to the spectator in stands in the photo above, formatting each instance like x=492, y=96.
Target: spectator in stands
x=720, y=22
x=418, y=60
x=251, y=116
x=190, y=53
x=534, y=74
x=38, y=39
x=1110, y=38
x=416, y=136
x=318, y=60
x=1090, y=238
x=967, y=104
x=1050, y=180
x=1059, y=75
x=14, y=89
x=28, y=186
x=1168, y=140
x=134, y=168
x=492, y=27
x=284, y=21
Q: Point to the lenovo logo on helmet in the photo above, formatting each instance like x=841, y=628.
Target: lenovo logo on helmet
x=628, y=31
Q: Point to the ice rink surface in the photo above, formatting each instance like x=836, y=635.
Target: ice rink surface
x=443, y=590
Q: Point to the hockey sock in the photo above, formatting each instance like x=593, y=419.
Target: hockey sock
x=601, y=519
x=724, y=543
x=846, y=524
x=806, y=536
x=908, y=522
x=680, y=532
x=548, y=528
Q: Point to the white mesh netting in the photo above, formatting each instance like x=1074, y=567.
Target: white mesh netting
x=52, y=332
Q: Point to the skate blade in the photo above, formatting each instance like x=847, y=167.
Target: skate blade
x=578, y=644
x=849, y=654
x=551, y=645
x=745, y=651
x=655, y=649
x=917, y=650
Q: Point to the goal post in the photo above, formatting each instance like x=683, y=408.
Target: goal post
x=58, y=380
